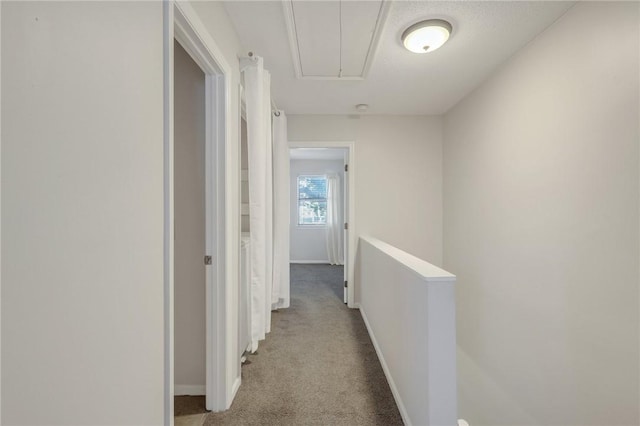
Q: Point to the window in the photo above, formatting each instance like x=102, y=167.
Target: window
x=312, y=200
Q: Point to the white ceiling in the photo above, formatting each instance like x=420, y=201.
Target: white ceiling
x=485, y=34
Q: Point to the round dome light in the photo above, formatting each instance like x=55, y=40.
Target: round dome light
x=426, y=36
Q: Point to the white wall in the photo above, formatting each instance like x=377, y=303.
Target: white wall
x=82, y=196
x=398, y=175
x=308, y=244
x=541, y=227
x=189, y=216
x=82, y=213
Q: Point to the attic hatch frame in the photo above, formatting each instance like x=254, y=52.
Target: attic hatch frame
x=181, y=23
x=294, y=45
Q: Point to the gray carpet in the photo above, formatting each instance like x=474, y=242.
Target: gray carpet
x=316, y=367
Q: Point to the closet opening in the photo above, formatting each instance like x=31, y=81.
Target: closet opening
x=189, y=225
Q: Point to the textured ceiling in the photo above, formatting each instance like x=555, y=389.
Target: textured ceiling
x=485, y=34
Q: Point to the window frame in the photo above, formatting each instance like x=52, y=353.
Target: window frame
x=309, y=225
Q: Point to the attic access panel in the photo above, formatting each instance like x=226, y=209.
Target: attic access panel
x=334, y=40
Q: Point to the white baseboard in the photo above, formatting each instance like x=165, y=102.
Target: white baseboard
x=324, y=262
x=180, y=390
x=234, y=390
x=387, y=373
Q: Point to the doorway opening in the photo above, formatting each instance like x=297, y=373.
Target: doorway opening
x=185, y=38
x=322, y=207
x=189, y=225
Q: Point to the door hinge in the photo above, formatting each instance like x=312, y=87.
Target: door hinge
x=346, y=284
x=346, y=226
x=208, y=260
x=346, y=167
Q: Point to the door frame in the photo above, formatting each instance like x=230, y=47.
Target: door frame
x=351, y=219
x=181, y=22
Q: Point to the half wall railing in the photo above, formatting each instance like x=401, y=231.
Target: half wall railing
x=408, y=306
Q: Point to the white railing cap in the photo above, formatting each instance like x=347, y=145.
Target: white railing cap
x=424, y=269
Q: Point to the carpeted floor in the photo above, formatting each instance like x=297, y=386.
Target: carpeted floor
x=316, y=367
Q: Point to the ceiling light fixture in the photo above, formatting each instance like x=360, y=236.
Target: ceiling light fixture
x=426, y=36
x=362, y=107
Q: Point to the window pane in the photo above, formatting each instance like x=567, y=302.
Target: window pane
x=312, y=187
x=312, y=200
x=312, y=212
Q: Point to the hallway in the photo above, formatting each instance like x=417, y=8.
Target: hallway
x=317, y=367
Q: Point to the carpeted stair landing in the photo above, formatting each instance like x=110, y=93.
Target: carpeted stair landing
x=316, y=367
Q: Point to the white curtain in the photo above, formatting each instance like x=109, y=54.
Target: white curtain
x=268, y=277
x=335, y=226
x=281, y=214
x=258, y=110
x=268, y=175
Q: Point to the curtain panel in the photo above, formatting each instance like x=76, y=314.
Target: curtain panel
x=268, y=174
x=281, y=212
x=334, y=229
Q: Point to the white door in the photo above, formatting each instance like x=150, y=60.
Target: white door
x=345, y=239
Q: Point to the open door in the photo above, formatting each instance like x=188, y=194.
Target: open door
x=345, y=239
